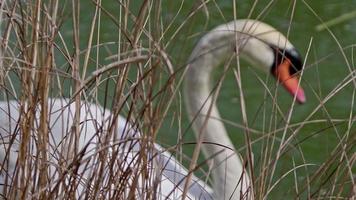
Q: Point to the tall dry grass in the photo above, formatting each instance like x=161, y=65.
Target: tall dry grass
x=33, y=73
x=139, y=80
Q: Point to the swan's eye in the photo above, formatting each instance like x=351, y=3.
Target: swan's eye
x=289, y=81
x=292, y=56
x=296, y=61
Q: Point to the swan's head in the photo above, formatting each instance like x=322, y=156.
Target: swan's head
x=270, y=50
x=257, y=42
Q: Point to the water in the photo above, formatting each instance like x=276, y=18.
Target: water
x=325, y=69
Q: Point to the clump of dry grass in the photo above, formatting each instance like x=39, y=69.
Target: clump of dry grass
x=32, y=73
x=137, y=79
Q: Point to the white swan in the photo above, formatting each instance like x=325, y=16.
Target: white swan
x=259, y=43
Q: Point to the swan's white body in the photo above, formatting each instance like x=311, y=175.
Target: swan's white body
x=94, y=120
x=251, y=39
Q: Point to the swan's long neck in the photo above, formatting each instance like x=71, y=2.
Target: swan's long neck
x=229, y=177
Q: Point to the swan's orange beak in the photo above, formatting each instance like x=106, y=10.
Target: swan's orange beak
x=289, y=82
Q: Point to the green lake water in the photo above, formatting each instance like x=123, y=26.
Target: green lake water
x=325, y=69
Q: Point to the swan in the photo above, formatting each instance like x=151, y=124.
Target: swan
x=260, y=44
